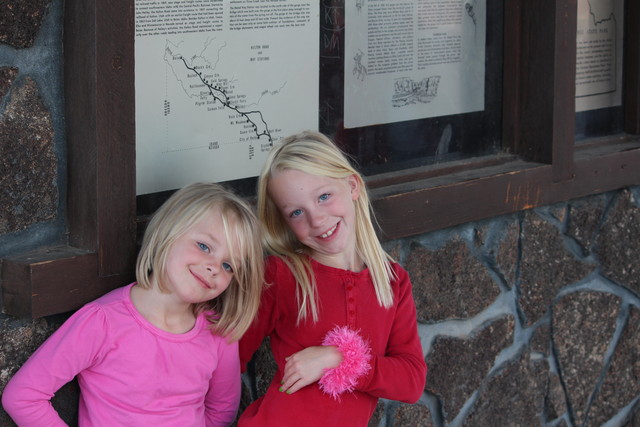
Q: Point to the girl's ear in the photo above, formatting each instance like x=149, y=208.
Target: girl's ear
x=354, y=185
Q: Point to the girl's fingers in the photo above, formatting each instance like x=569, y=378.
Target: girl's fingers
x=290, y=384
x=295, y=387
x=307, y=366
x=288, y=378
x=292, y=377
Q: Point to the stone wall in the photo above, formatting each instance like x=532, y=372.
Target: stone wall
x=32, y=142
x=527, y=319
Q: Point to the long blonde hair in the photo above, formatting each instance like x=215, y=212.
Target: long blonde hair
x=236, y=307
x=315, y=154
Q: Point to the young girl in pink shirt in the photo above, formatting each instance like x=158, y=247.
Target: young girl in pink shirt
x=339, y=312
x=162, y=351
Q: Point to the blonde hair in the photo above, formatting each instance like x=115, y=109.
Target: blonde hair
x=236, y=307
x=315, y=154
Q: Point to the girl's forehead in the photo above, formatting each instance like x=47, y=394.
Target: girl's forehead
x=209, y=217
x=299, y=177
x=291, y=182
x=215, y=220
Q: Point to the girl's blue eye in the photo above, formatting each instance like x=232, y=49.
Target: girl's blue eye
x=296, y=213
x=203, y=247
x=227, y=267
x=323, y=197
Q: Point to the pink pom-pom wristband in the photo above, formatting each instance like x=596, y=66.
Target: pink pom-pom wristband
x=355, y=361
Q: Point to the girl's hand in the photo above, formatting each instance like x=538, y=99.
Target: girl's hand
x=307, y=366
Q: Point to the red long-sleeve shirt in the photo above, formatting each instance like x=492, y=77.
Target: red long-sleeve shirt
x=348, y=299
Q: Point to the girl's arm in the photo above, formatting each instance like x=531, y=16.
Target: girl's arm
x=223, y=397
x=346, y=363
x=399, y=374
x=69, y=350
x=307, y=366
x=264, y=322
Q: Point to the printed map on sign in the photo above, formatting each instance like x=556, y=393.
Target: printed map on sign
x=212, y=92
x=217, y=84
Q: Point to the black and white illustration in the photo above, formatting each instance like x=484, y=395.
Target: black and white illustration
x=410, y=92
x=413, y=60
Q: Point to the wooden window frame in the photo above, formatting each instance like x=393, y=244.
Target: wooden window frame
x=542, y=163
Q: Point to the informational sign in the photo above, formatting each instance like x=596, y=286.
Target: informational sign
x=599, y=54
x=413, y=59
x=218, y=82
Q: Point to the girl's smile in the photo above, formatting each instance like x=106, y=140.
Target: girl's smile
x=320, y=211
x=202, y=281
x=199, y=266
x=329, y=233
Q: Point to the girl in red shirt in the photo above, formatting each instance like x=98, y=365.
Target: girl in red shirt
x=338, y=310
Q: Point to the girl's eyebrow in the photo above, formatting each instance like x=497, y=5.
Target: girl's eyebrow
x=205, y=235
x=213, y=241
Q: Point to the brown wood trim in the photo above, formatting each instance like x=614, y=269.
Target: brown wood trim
x=419, y=208
x=80, y=120
x=100, y=124
x=511, y=77
x=115, y=133
x=564, y=90
x=535, y=80
x=53, y=280
x=541, y=90
x=432, y=171
x=100, y=117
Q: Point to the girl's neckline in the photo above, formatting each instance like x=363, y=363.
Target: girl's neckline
x=339, y=270
x=140, y=319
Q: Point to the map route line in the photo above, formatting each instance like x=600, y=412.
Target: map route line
x=224, y=100
x=596, y=22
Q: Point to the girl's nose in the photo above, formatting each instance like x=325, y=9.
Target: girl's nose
x=213, y=267
x=317, y=218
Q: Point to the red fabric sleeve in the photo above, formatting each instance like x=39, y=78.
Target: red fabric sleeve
x=401, y=373
x=264, y=323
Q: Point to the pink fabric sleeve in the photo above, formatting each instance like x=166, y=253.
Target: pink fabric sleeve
x=223, y=398
x=72, y=348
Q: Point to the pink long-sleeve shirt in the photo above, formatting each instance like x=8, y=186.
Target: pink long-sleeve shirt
x=129, y=371
x=398, y=370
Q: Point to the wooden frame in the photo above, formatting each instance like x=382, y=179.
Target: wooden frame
x=543, y=165
x=100, y=123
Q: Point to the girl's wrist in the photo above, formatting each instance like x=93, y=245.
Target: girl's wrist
x=355, y=357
